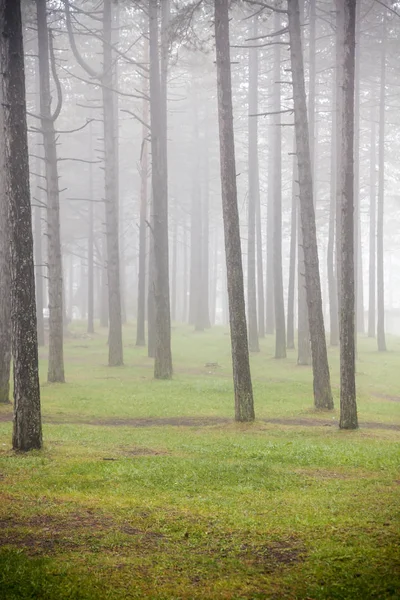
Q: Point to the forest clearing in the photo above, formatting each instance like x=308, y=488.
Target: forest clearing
x=149, y=489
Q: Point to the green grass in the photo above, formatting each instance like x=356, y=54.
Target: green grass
x=174, y=508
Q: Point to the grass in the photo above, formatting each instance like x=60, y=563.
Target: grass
x=148, y=489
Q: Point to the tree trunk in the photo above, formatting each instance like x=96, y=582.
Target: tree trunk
x=151, y=308
x=348, y=404
x=280, y=326
x=141, y=303
x=5, y=280
x=331, y=271
x=185, y=273
x=357, y=220
x=322, y=387
x=269, y=274
x=27, y=428
x=55, y=273
x=292, y=263
x=163, y=358
x=90, y=254
x=339, y=158
x=205, y=236
x=372, y=232
x=37, y=211
x=260, y=268
x=244, y=407
x=253, y=193
x=115, y=350
x=381, y=200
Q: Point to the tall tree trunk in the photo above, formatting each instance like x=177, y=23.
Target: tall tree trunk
x=205, y=237
x=90, y=254
x=322, y=387
x=141, y=302
x=174, y=262
x=55, y=274
x=38, y=244
x=158, y=99
x=260, y=268
x=280, y=326
x=339, y=158
x=151, y=307
x=372, y=231
x=244, y=407
x=104, y=287
x=381, y=200
x=269, y=273
x=331, y=270
x=214, y=279
x=185, y=273
x=27, y=428
x=253, y=193
x=348, y=404
x=357, y=220
x=115, y=350
x=292, y=263
x=5, y=280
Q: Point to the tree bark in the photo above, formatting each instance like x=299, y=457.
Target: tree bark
x=279, y=305
x=244, y=407
x=269, y=273
x=90, y=252
x=372, y=232
x=37, y=212
x=253, y=193
x=141, y=303
x=292, y=262
x=381, y=200
x=5, y=282
x=163, y=358
x=54, y=258
x=115, y=349
x=27, y=428
x=321, y=376
x=348, y=404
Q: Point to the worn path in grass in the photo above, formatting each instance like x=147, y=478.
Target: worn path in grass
x=149, y=489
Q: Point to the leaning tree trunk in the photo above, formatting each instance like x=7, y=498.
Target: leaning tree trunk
x=115, y=350
x=372, y=231
x=279, y=305
x=27, y=427
x=380, y=330
x=244, y=407
x=54, y=258
x=348, y=404
x=163, y=357
x=5, y=279
x=253, y=194
x=322, y=386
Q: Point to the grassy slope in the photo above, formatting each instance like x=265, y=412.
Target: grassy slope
x=291, y=508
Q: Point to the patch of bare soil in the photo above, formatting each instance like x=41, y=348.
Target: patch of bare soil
x=273, y=555
x=46, y=534
x=144, y=452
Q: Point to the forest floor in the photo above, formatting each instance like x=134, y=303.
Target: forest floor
x=149, y=489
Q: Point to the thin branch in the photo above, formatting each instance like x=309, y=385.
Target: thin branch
x=129, y=112
x=57, y=111
x=77, y=129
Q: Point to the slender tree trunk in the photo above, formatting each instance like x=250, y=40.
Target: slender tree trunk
x=253, y=193
x=205, y=237
x=151, y=308
x=215, y=278
x=292, y=263
x=372, y=231
x=174, y=262
x=381, y=200
x=163, y=358
x=331, y=271
x=185, y=273
x=141, y=302
x=348, y=404
x=37, y=211
x=27, y=428
x=280, y=326
x=260, y=267
x=115, y=350
x=339, y=127
x=90, y=280
x=54, y=258
x=244, y=407
x=357, y=220
x=104, y=286
x=322, y=387
x=269, y=274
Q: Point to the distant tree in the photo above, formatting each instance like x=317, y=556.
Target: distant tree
x=27, y=428
x=348, y=405
x=322, y=386
x=47, y=119
x=372, y=232
x=381, y=199
x=244, y=407
x=253, y=194
x=292, y=253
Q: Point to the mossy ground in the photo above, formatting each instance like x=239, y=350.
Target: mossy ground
x=148, y=489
